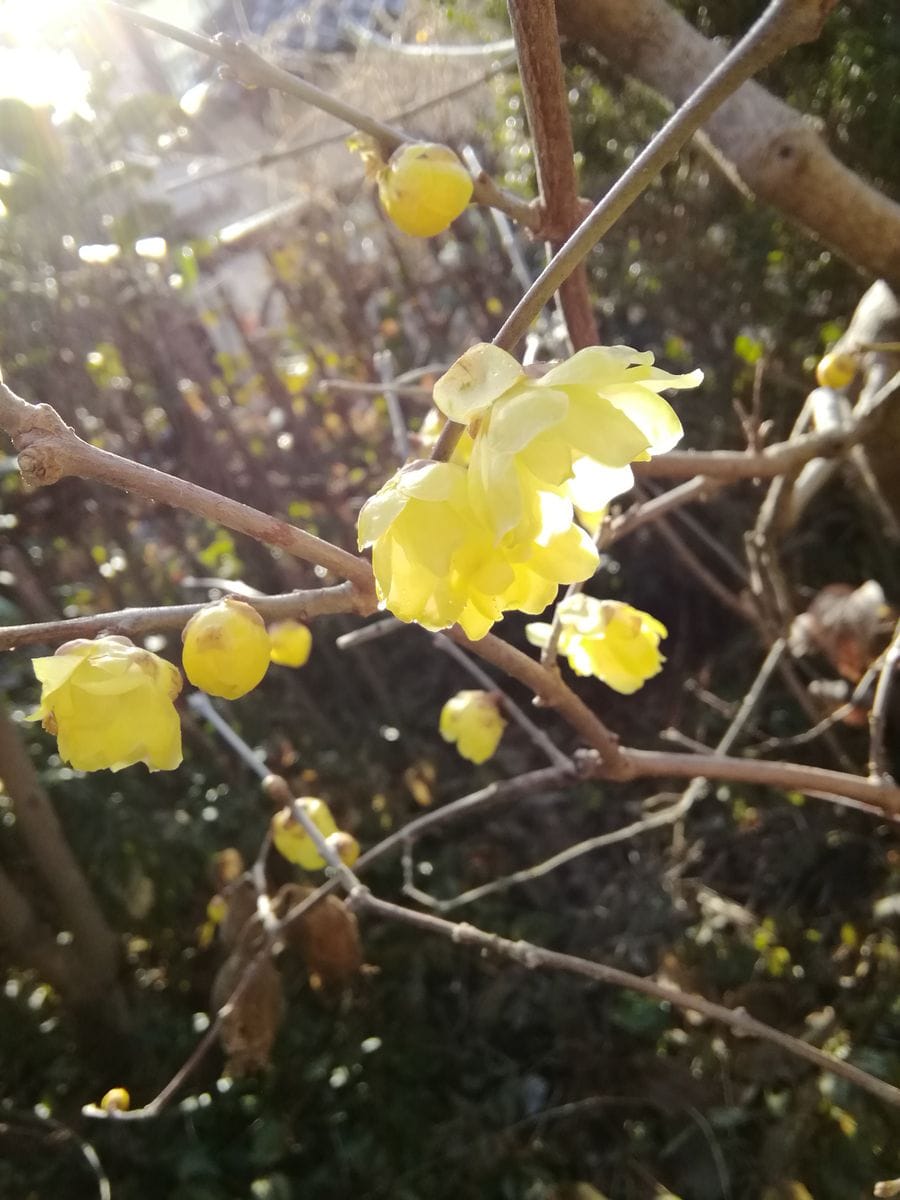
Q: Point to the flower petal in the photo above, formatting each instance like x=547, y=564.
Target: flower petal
x=475, y=381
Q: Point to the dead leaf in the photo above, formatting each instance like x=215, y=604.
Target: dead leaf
x=326, y=936
x=250, y=1024
x=849, y=626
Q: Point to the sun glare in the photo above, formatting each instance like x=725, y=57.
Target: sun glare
x=32, y=67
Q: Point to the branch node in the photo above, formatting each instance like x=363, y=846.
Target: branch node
x=41, y=463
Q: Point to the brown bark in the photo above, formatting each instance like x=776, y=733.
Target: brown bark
x=94, y=942
x=32, y=943
x=546, y=106
x=760, y=142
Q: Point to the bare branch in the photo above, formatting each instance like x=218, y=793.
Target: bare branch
x=546, y=104
x=134, y=622
x=877, y=796
x=251, y=68
x=536, y=958
x=50, y=450
x=784, y=24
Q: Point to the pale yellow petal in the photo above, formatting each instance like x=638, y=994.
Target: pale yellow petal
x=475, y=381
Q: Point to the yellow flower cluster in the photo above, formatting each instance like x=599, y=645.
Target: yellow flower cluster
x=494, y=530
x=111, y=703
x=614, y=642
x=472, y=720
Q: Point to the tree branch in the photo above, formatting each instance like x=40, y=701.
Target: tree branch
x=95, y=943
x=252, y=69
x=134, y=622
x=536, y=958
x=546, y=105
x=877, y=796
x=761, y=143
x=49, y=450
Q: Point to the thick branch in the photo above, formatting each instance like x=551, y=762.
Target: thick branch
x=54, y=862
x=761, y=142
x=33, y=944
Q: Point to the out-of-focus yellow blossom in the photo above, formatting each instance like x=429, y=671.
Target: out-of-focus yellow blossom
x=424, y=188
x=110, y=704
x=472, y=720
x=437, y=563
x=293, y=842
x=608, y=639
x=345, y=846
x=226, y=648
x=116, y=1100
x=836, y=370
x=291, y=643
x=602, y=405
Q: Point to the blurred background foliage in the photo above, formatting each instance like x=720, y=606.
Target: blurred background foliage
x=204, y=328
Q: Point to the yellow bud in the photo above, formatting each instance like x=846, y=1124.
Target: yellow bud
x=116, y=1100
x=291, y=643
x=345, y=846
x=293, y=842
x=836, y=370
x=424, y=188
x=472, y=720
x=226, y=649
x=216, y=910
x=110, y=704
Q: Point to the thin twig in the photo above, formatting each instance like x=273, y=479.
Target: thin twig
x=724, y=595
x=271, y=157
x=878, y=764
x=665, y=816
x=134, y=622
x=251, y=68
x=384, y=365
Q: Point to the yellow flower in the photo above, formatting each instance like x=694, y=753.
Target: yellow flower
x=437, y=563
x=291, y=643
x=110, y=704
x=116, y=1100
x=226, y=649
x=473, y=721
x=293, y=842
x=612, y=641
x=602, y=405
x=424, y=188
x=836, y=370
x=345, y=846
